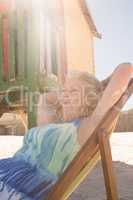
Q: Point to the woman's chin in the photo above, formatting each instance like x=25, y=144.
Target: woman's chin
x=69, y=116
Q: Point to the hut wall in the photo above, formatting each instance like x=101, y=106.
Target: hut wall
x=79, y=39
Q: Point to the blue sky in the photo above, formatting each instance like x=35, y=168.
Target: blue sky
x=114, y=20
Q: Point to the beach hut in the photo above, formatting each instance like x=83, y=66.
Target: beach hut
x=69, y=33
x=41, y=39
x=80, y=31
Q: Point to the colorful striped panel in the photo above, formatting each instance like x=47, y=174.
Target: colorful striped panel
x=5, y=45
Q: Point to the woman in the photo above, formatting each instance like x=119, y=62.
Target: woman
x=48, y=149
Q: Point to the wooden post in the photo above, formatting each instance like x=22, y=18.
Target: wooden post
x=107, y=165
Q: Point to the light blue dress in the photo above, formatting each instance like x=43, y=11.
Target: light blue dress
x=46, y=152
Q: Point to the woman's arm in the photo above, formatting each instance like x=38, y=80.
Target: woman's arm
x=52, y=97
x=83, y=134
x=46, y=109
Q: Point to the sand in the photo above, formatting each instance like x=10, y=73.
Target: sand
x=93, y=187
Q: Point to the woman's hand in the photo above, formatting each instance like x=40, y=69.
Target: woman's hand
x=52, y=97
x=46, y=109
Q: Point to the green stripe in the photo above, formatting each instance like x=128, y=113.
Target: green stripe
x=11, y=46
x=21, y=44
x=54, y=54
x=32, y=65
x=1, y=56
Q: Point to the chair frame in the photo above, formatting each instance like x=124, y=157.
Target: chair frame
x=97, y=145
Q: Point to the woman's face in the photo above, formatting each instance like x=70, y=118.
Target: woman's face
x=73, y=99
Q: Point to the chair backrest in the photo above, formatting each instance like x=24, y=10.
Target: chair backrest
x=108, y=108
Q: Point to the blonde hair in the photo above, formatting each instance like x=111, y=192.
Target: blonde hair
x=93, y=91
x=96, y=85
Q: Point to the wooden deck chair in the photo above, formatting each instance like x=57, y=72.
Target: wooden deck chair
x=100, y=127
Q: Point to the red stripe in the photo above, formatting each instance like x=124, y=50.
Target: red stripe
x=7, y=5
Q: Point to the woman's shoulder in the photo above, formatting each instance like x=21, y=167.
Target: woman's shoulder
x=58, y=124
x=76, y=122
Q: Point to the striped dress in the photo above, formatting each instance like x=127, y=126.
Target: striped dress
x=34, y=169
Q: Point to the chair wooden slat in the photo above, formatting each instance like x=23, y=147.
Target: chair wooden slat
x=107, y=165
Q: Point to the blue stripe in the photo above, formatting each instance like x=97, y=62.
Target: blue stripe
x=25, y=179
